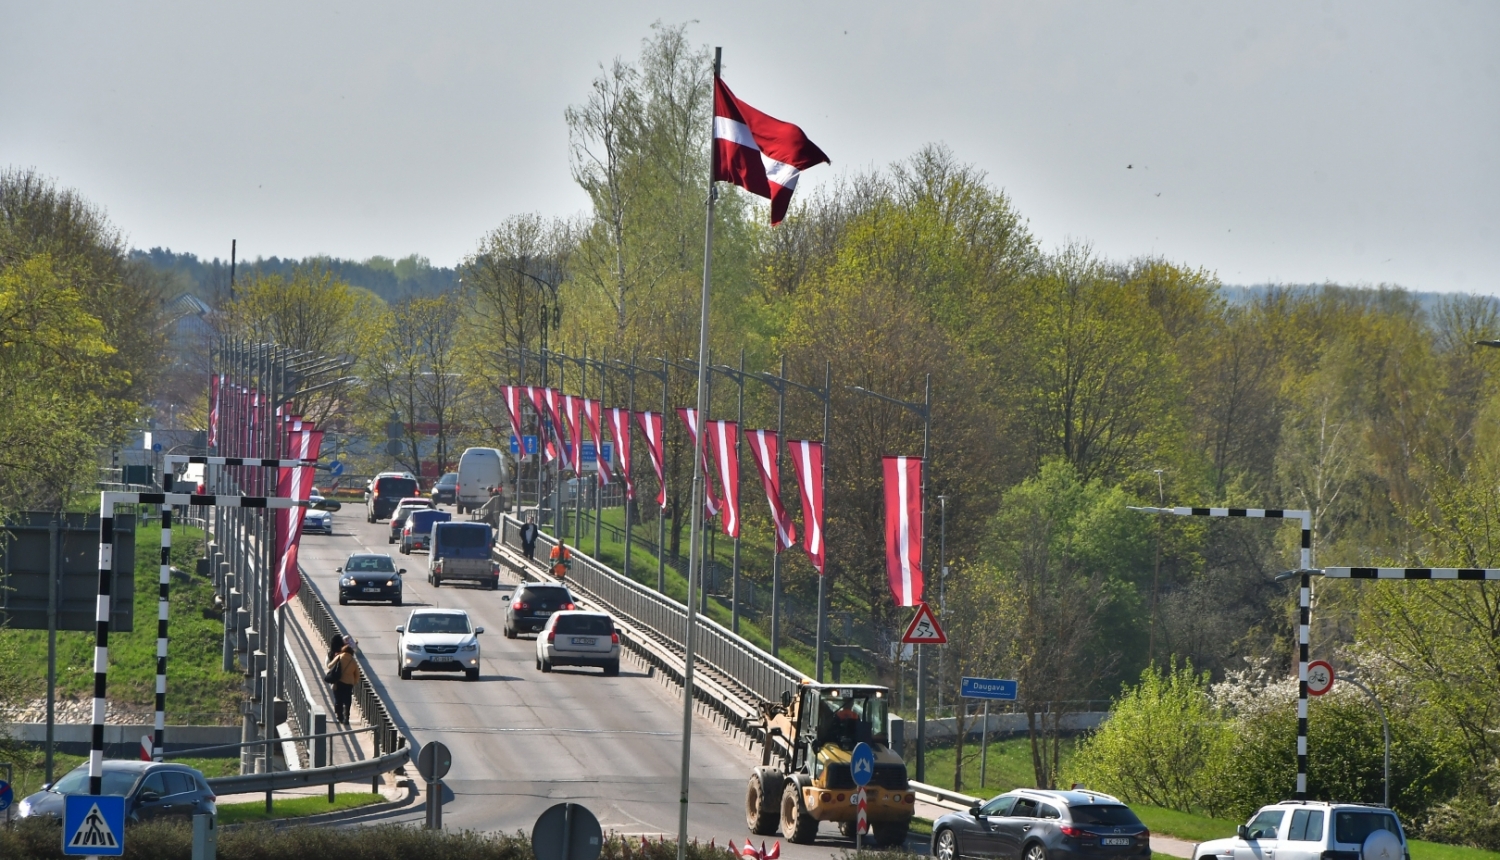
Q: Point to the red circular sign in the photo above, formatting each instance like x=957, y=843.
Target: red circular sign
x=1319, y=677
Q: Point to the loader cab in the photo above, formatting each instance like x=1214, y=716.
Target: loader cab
x=840, y=716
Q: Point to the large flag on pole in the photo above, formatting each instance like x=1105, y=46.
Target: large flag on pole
x=651, y=425
x=591, y=410
x=903, y=528
x=758, y=152
x=572, y=404
x=807, y=463
x=619, y=427
x=293, y=483
x=513, y=406
x=552, y=397
x=763, y=448
x=722, y=437
x=539, y=403
x=689, y=417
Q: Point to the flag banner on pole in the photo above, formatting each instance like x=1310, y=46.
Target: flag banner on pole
x=689, y=417
x=903, y=528
x=651, y=425
x=293, y=483
x=807, y=463
x=591, y=410
x=214, y=381
x=763, y=450
x=619, y=428
x=539, y=403
x=571, y=406
x=554, y=412
x=723, y=437
x=513, y=406
x=758, y=152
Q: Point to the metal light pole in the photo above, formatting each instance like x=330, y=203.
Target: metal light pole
x=942, y=586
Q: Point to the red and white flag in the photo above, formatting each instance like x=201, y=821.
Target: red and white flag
x=723, y=438
x=758, y=152
x=807, y=463
x=513, y=406
x=689, y=418
x=619, y=428
x=591, y=410
x=651, y=425
x=214, y=381
x=572, y=404
x=763, y=450
x=293, y=483
x=539, y=403
x=553, y=398
x=903, y=528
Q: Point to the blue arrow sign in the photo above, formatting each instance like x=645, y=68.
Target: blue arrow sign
x=530, y=445
x=94, y=825
x=862, y=764
x=988, y=688
x=336, y=468
x=6, y=794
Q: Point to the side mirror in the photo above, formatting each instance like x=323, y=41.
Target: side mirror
x=786, y=698
x=46, y=786
x=478, y=630
x=1243, y=831
x=402, y=570
x=974, y=811
x=147, y=797
x=400, y=628
x=338, y=570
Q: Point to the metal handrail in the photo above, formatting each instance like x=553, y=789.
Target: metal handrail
x=311, y=719
x=389, y=737
x=355, y=771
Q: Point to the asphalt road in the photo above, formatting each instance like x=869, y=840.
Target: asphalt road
x=523, y=741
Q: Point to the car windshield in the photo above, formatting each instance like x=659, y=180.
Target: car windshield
x=1109, y=815
x=589, y=625
x=448, y=480
x=395, y=486
x=116, y=782
x=545, y=593
x=1355, y=826
x=370, y=563
x=439, y=623
x=464, y=535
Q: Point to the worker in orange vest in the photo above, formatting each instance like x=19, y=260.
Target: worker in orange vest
x=562, y=559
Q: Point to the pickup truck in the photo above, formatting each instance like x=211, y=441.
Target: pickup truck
x=460, y=552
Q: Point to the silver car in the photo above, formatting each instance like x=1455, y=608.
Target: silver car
x=579, y=639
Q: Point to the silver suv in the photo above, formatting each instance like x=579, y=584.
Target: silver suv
x=1313, y=830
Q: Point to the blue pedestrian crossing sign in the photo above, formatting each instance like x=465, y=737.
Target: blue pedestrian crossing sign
x=94, y=825
x=862, y=764
x=6, y=794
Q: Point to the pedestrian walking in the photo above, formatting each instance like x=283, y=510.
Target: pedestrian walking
x=335, y=645
x=528, y=538
x=343, y=673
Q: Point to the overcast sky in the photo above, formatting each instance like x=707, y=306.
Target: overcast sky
x=1353, y=142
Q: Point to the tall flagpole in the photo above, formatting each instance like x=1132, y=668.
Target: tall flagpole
x=695, y=536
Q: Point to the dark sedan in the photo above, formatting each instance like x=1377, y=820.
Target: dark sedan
x=152, y=790
x=445, y=491
x=531, y=605
x=1032, y=824
x=370, y=576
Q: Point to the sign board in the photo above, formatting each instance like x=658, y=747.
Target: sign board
x=924, y=628
x=531, y=445
x=862, y=764
x=336, y=468
x=7, y=794
x=567, y=831
x=434, y=761
x=988, y=688
x=26, y=558
x=93, y=825
x=1319, y=677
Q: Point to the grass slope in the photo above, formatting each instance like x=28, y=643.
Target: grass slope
x=295, y=807
x=1009, y=765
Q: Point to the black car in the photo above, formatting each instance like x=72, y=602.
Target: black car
x=1032, y=824
x=532, y=605
x=370, y=576
x=152, y=790
x=386, y=491
x=445, y=491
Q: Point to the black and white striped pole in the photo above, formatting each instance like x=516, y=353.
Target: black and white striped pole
x=1304, y=606
x=107, y=502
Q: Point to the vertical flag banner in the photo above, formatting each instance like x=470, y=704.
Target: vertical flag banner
x=539, y=403
x=293, y=483
x=722, y=437
x=651, y=425
x=758, y=152
x=591, y=410
x=571, y=405
x=214, y=381
x=763, y=450
x=807, y=463
x=619, y=428
x=903, y=528
x=689, y=417
x=513, y=406
x=552, y=398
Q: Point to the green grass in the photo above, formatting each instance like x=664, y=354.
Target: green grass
x=198, y=690
x=1009, y=765
x=30, y=766
x=294, y=807
x=1200, y=828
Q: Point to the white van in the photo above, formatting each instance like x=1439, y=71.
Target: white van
x=478, y=470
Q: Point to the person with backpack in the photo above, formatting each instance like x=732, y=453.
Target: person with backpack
x=343, y=673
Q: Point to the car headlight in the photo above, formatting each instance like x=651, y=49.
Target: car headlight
x=472, y=646
x=390, y=582
x=348, y=580
x=25, y=808
x=413, y=647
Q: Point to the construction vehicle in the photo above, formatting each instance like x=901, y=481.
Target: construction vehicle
x=804, y=779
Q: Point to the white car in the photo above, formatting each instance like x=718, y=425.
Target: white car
x=579, y=639
x=1310, y=830
x=315, y=521
x=438, y=640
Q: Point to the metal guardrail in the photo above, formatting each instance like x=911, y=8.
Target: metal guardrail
x=388, y=737
x=355, y=771
x=309, y=716
x=943, y=797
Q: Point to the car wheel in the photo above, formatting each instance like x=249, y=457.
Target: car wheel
x=405, y=674
x=890, y=833
x=343, y=601
x=947, y=846
x=471, y=674
x=437, y=582
x=546, y=665
x=397, y=601
x=1035, y=851
x=510, y=633
x=612, y=669
x=796, y=825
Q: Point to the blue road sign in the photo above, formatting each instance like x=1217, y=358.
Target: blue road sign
x=862, y=764
x=530, y=445
x=589, y=454
x=988, y=688
x=336, y=468
x=156, y=446
x=6, y=794
x=94, y=825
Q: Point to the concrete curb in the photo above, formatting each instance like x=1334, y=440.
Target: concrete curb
x=336, y=815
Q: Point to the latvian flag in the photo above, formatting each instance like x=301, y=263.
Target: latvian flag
x=759, y=153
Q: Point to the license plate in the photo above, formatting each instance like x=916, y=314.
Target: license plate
x=371, y=590
x=440, y=658
x=1116, y=840
x=584, y=640
x=543, y=612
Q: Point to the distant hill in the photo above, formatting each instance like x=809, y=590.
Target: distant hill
x=390, y=279
x=1236, y=294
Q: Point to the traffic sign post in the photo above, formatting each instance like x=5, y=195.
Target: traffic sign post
x=924, y=628
x=987, y=689
x=862, y=769
x=567, y=831
x=1320, y=677
x=7, y=794
x=93, y=825
x=433, y=763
